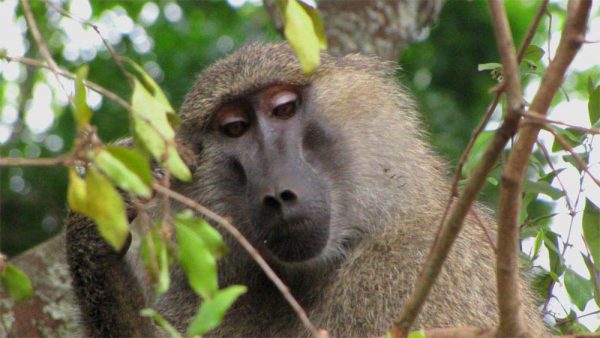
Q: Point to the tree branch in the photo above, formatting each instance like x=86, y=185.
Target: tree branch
x=507, y=270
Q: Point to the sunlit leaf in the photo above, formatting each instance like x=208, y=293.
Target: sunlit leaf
x=591, y=230
x=539, y=238
x=96, y=198
x=83, y=114
x=157, y=257
x=300, y=32
x=578, y=288
x=210, y=236
x=77, y=192
x=127, y=168
x=155, y=90
x=317, y=21
x=197, y=261
x=417, y=334
x=533, y=53
x=489, y=66
x=162, y=322
x=212, y=310
x=152, y=127
x=594, y=105
x=15, y=282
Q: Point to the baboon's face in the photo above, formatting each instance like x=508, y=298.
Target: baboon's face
x=281, y=156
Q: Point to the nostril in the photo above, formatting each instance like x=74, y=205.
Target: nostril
x=270, y=202
x=288, y=196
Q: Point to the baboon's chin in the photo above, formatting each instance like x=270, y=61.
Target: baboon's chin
x=298, y=242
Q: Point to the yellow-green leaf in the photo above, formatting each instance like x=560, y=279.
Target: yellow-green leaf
x=155, y=91
x=127, y=168
x=210, y=236
x=212, y=310
x=152, y=128
x=198, y=262
x=77, y=192
x=107, y=209
x=157, y=257
x=15, y=282
x=417, y=334
x=161, y=321
x=83, y=114
x=317, y=21
x=300, y=32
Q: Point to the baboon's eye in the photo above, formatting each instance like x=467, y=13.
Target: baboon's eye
x=285, y=104
x=232, y=120
x=235, y=128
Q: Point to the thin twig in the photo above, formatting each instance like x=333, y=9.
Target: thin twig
x=567, y=147
x=491, y=108
x=248, y=247
x=485, y=230
x=94, y=86
x=459, y=210
x=562, y=186
x=542, y=119
x=88, y=23
x=507, y=271
x=35, y=162
x=43, y=48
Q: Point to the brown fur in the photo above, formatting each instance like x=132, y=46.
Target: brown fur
x=398, y=190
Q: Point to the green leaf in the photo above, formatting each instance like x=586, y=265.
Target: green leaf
x=578, y=288
x=595, y=277
x=83, y=114
x=591, y=230
x=210, y=236
x=76, y=192
x=557, y=262
x=154, y=89
x=489, y=66
x=417, y=334
x=539, y=238
x=15, y=283
x=572, y=136
x=543, y=188
x=152, y=128
x=161, y=321
x=533, y=53
x=157, y=257
x=212, y=310
x=99, y=200
x=197, y=261
x=594, y=106
x=479, y=147
x=127, y=168
x=317, y=21
x=300, y=32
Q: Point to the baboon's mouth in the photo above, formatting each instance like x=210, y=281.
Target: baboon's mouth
x=297, y=241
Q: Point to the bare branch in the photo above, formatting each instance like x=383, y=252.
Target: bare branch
x=459, y=210
x=542, y=119
x=507, y=271
x=23, y=161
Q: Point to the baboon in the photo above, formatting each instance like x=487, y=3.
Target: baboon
x=329, y=176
